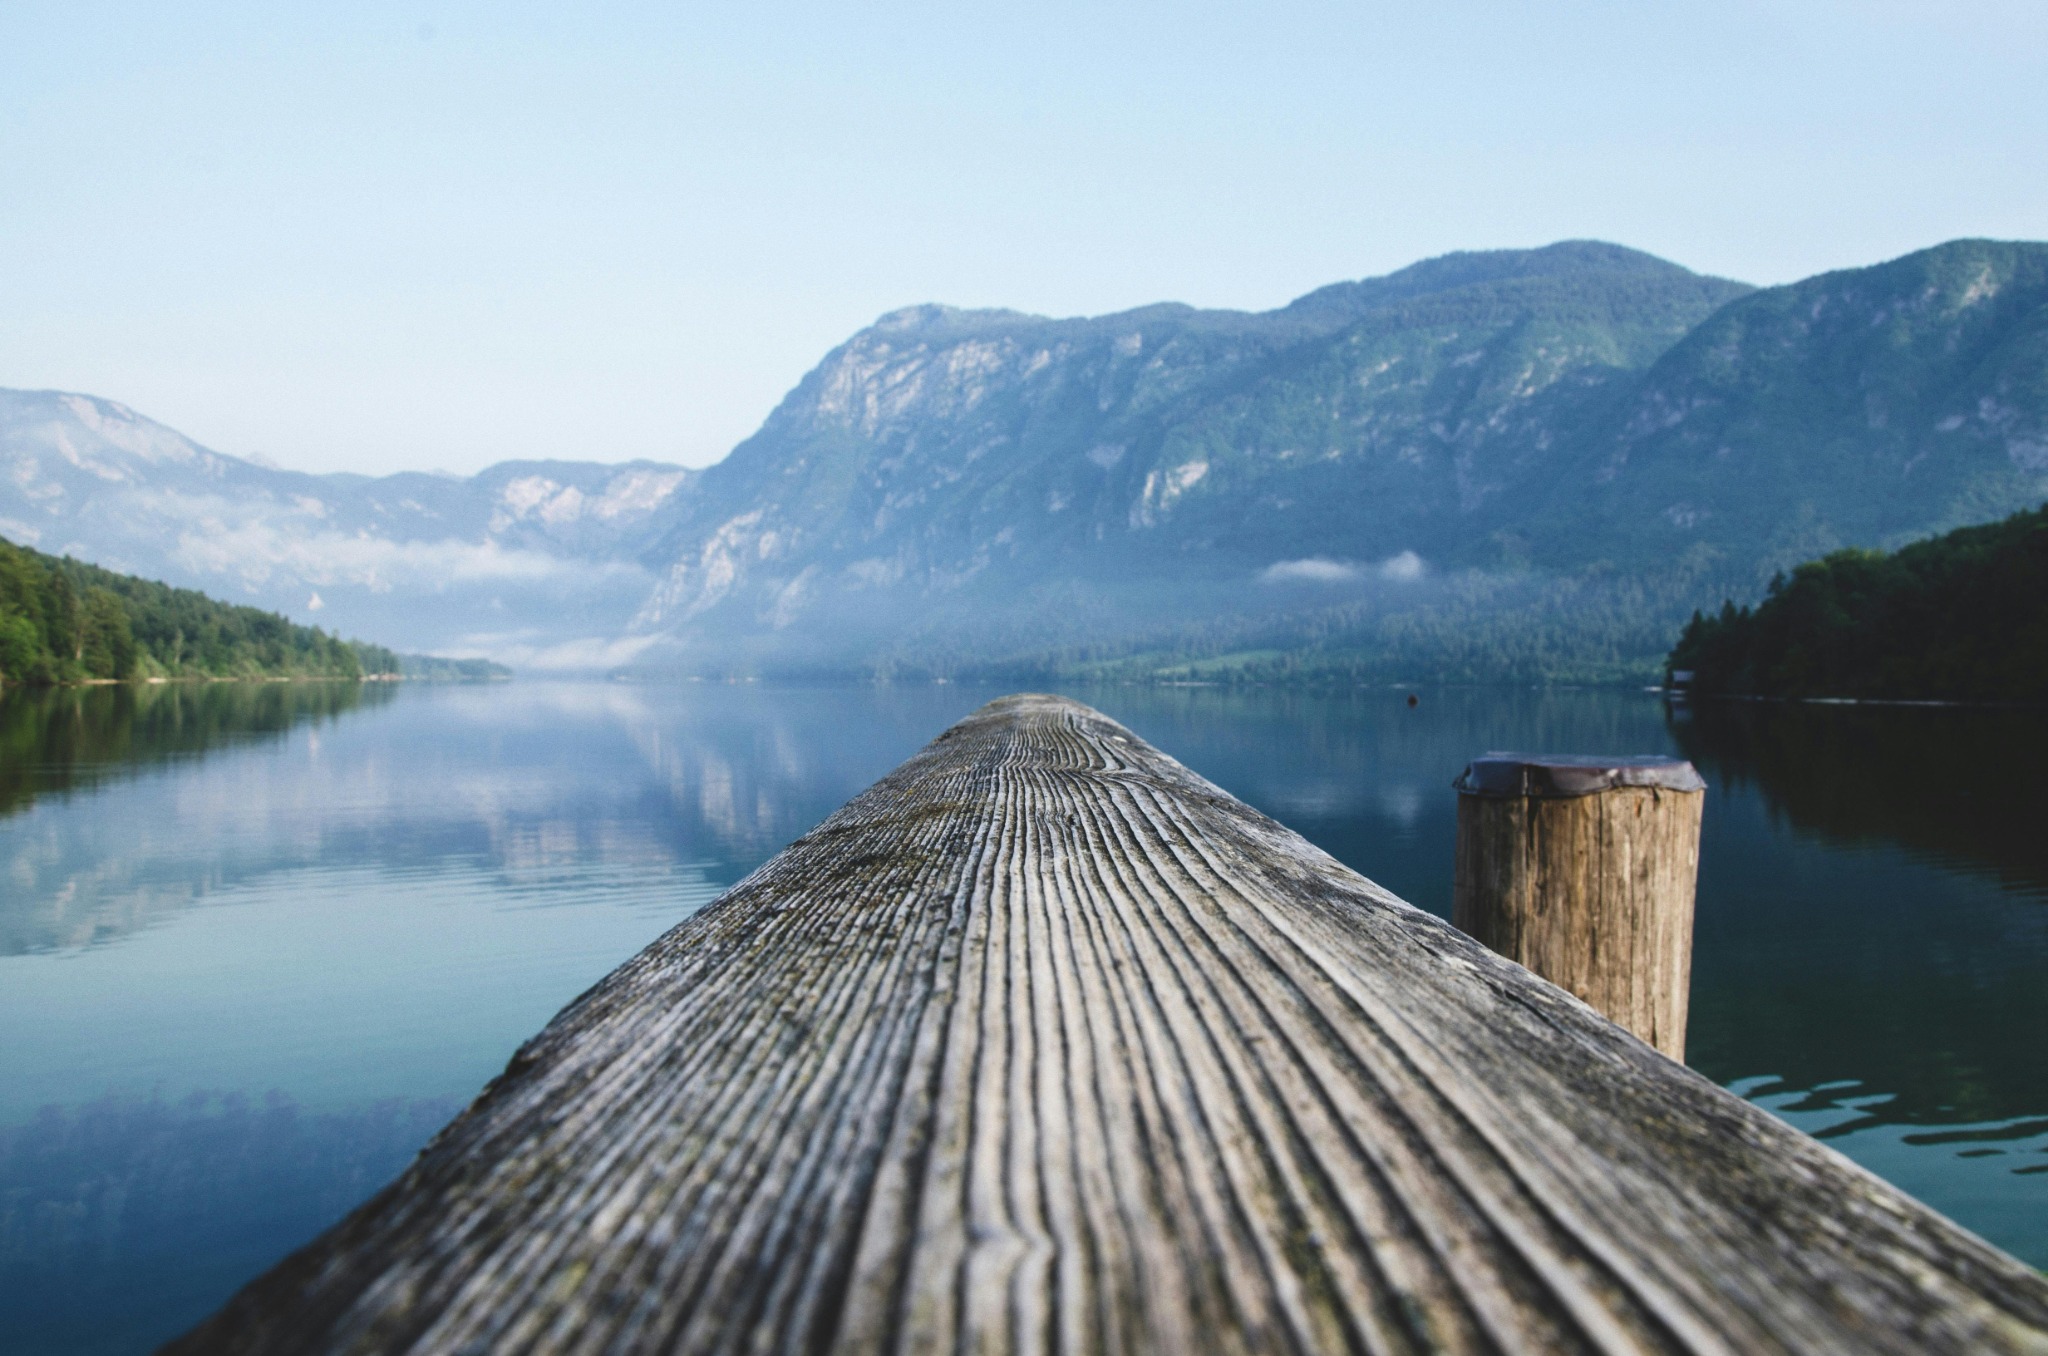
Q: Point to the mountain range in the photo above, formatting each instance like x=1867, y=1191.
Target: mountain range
x=537, y=561
x=1505, y=465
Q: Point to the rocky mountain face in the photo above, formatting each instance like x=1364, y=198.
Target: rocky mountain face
x=1867, y=407
x=1514, y=464
x=1510, y=464
x=534, y=560
x=982, y=483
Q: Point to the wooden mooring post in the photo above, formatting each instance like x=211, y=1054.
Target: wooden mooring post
x=1582, y=869
x=1045, y=1044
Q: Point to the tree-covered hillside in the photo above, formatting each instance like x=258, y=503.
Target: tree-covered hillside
x=1962, y=617
x=65, y=621
x=427, y=668
x=1868, y=407
x=950, y=490
x=1519, y=465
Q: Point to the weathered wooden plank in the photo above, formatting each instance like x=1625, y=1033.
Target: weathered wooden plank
x=1044, y=1043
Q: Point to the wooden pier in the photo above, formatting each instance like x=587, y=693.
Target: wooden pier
x=1045, y=1044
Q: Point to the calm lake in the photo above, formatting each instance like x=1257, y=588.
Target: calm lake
x=258, y=942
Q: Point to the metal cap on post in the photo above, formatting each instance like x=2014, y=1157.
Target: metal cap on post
x=1582, y=868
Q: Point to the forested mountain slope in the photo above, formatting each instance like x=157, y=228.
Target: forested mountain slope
x=1520, y=464
x=1863, y=407
x=1962, y=617
x=63, y=621
x=964, y=486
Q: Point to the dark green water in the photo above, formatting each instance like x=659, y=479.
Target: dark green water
x=258, y=943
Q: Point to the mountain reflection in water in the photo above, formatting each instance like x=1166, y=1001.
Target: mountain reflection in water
x=257, y=941
x=1911, y=956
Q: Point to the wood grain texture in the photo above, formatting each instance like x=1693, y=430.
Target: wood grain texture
x=1045, y=1044
x=1594, y=893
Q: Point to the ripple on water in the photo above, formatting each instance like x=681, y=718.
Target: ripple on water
x=1992, y=1174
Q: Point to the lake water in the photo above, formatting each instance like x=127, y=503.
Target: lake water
x=257, y=943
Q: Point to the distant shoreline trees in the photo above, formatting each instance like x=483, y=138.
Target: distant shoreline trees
x=64, y=621
x=1961, y=617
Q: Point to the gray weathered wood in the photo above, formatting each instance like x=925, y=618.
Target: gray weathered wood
x=1583, y=870
x=1045, y=1044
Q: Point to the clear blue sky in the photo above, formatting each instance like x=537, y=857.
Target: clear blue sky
x=376, y=237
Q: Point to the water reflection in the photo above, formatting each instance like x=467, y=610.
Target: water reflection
x=535, y=787
x=349, y=910
x=1955, y=785
x=1912, y=957
x=121, y=1219
x=1871, y=956
x=55, y=739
